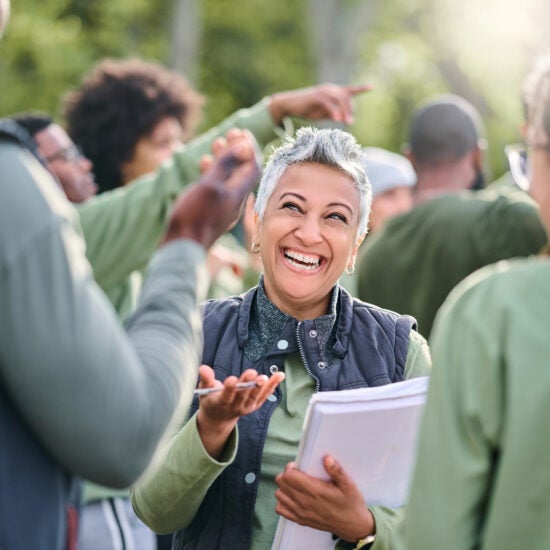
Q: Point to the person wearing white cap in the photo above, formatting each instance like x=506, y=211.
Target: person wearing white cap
x=392, y=178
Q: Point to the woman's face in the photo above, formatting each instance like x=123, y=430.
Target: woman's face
x=307, y=237
x=153, y=149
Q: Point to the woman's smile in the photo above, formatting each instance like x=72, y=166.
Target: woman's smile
x=302, y=261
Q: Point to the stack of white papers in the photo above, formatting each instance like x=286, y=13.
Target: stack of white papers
x=372, y=433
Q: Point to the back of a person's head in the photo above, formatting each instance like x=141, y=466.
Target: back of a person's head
x=445, y=128
x=33, y=122
x=121, y=101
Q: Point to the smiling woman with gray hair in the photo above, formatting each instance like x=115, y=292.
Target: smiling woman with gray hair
x=224, y=479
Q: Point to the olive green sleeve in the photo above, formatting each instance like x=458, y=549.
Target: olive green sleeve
x=168, y=497
x=122, y=228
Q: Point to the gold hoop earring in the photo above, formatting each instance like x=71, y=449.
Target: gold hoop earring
x=350, y=270
x=255, y=247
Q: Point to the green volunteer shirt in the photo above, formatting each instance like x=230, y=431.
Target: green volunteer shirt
x=482, y=478
x=168, y=501
x=416, y=259
x=83, y=385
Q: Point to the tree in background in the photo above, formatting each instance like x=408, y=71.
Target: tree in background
x=236, y=53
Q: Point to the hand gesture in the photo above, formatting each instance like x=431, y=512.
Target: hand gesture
x=326, y=101
x=336, y=505
x=208, y=208
x=218, y=412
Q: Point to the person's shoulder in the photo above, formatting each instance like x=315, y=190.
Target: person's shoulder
x=360, y=307
x=509, y=273
x=10, y=150
x=28, y=183
x=501, y=284
x=32, y=206
x=218, y=306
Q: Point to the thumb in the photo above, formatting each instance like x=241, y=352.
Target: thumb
x=336, y=472
x=207, y=376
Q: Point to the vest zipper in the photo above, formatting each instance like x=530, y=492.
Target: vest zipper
x=303, y=356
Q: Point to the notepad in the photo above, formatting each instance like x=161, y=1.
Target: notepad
x=372, y=433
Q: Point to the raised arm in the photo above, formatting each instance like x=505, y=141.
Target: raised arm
x=99, y=400
x=122, y=228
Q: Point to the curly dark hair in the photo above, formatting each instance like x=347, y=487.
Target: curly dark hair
x=121, y=101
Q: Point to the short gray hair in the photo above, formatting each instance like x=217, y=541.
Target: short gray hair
x=328, y=147
x=536, y=93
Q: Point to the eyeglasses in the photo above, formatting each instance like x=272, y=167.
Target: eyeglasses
x=67, y=154
x=519, y=165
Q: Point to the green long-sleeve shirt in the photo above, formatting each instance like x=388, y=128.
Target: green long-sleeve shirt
x=169, y=500
x=417, y=258
x=96, y=398
x=122, y=228
x=482, y=477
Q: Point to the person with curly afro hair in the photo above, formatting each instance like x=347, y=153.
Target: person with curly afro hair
x=130, y=115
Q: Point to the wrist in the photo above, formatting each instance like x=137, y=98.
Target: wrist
x=275, y=108
x=364, y=533
x=214, y=434
x=213, y=425
x=200, y=235
x=365, y=542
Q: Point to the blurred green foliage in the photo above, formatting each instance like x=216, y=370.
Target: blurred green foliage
x=249, y=50
x=411, y=50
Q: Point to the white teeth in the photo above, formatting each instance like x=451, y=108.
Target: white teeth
x=301, y=261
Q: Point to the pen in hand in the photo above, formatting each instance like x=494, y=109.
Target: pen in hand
x=239, y=386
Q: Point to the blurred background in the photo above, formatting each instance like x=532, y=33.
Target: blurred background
x=234, y=53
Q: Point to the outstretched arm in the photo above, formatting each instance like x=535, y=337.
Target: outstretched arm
x=99, y=400
x=122, y=228
x=326, y=101
x=169, y=497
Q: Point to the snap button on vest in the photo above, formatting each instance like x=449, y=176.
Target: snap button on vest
x=282, y=344
x=250, y=478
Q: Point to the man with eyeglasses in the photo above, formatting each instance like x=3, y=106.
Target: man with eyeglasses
x=63, y=158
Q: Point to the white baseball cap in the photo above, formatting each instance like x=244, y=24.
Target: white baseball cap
x=387, y=170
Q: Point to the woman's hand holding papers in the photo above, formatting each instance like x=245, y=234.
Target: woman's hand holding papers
x=336, y=505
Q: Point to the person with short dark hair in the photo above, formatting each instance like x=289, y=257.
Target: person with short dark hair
x=412, y=264
x=62, y=157
x=482, y=475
